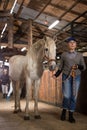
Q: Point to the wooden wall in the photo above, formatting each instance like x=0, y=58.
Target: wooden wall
x=82, y=96
x=50, y=90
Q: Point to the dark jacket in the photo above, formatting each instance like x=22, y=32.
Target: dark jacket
x=5, y=79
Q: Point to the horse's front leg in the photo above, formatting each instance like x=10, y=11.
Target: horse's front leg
x=28, y=88
x=36, y=92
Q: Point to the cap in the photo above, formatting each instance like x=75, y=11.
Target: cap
x=71, y=39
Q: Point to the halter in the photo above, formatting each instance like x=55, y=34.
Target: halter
x=48, y=59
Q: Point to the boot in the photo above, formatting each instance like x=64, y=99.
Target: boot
x=71, y=118
x=8, y=98
x=3, y=95
x=63, y=115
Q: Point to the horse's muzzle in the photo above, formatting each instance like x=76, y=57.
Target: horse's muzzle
x=52, y=67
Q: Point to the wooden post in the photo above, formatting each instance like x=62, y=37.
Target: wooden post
x=10, y=32
x=30, y=33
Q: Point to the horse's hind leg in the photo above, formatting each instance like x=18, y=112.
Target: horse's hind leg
x=28, y=88
x=36, y=92
x=17, y=92
x=14, y=92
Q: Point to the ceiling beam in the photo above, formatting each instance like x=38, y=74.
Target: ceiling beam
x=64, y=9
x=83, y=2
x=56, y=34
x=4, y=13
x=68, y=10
x=20, y=9
x=43, y=9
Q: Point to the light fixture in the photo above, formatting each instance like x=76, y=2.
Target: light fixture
x=53, y=24
x=58, y=57
x=1, y=35
x=4, y=29
x=3, y=47
x=46, y=21
x=13, y=7
x=6, y=63
x=23, y=49
x=6, y=23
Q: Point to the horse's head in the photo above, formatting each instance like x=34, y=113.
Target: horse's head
x=50, y=52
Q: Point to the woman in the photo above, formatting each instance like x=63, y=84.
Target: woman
x=71, y=65
x=5, y=83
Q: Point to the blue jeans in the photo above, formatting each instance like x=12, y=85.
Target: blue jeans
x=70, y=91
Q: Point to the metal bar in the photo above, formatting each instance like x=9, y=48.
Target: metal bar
x=69, y=23
x=80, y=23
x=72, y=29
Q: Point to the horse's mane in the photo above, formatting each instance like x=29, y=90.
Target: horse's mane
x=35, y=47
x=38, y=46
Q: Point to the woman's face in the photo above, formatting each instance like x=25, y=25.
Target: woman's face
x=5, y=71
x=72, y=45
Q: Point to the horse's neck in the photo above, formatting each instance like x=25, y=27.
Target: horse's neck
x=37, y=51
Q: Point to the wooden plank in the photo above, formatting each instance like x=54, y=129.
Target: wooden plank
x=50, y=89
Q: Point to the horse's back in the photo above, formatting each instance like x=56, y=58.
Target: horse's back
x=16, y=66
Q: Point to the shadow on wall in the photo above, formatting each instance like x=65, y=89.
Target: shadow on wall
x=82, y=96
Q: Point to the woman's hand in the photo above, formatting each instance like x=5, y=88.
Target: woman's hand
x=53, y=76
x=75, y=67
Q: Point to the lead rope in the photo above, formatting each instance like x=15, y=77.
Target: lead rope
x=49, y=60
x=73, y=74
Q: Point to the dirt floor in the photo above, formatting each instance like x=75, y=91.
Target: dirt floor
x=50, y=118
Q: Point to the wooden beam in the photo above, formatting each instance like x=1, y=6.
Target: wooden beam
x=3, y=19
x=5, y=4
x=73, y=5
x=43, y=9
x=4, y=13
x=64, y=9
x=30, y=33
x=10, y=32
x=83, y=2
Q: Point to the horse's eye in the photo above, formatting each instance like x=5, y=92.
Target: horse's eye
x=46, y=49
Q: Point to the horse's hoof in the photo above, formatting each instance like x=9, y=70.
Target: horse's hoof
x=19, y=110
x=26, y=118
x=37, y=117
x=15, y=111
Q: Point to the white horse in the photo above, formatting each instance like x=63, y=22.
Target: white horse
x=29, y=69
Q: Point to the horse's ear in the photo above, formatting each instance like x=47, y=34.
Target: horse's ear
x=45, y=38
x=55, y=39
